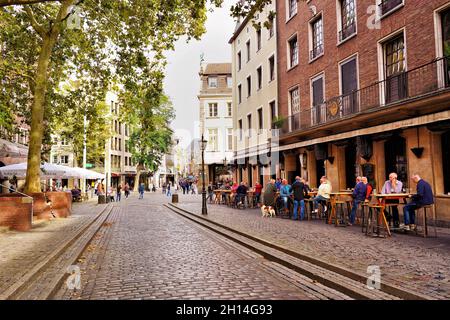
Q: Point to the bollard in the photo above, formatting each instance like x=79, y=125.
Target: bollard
x=101, y=199
x=175, y=198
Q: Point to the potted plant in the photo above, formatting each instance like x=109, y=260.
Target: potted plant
x=278, y=122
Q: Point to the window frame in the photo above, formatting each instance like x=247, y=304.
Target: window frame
x=290, y=51
x=313, y=55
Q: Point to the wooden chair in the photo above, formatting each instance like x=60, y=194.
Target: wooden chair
x=372, y=223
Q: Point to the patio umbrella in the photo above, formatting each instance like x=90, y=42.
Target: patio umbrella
x=10, y=149
x=48, y=171
x=81, y=173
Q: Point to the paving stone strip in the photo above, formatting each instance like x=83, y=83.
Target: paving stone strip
x=35, y=269
x=348, y=278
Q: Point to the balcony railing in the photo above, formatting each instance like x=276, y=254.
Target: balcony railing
x=347, y=31
x=316, y=51
x=426, y=79
x=388, y=5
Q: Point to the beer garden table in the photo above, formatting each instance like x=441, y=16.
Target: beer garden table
x=382, y=201
x=334, y=196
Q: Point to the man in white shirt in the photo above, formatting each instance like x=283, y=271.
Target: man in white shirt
x=323, y=194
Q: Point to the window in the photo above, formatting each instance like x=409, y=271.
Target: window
x=240, y=93
x=229, y=139
x=395, y=66
x=349, y=85
x=120, y=127
x=64, y=142
x=292, y=7
x=260, y=120
x=229, y=82
x=258, y=39
x=212, y=82
x=55, y=159
x=446, y=161
x=112, y=144
x=120, y=144
x=239, y=60
x=293, y=52
x=387, y=6
x=240, y=129
x=318, y=100
x=259, y=73
x=294, y=99
x=249, y=123
x=64, y=159
x=348, y=19
x=317, y=38
x=248, y=50
x=273, y=111
x=272, y=68
x=445, y=25
x=213, y=110
x=212, y=140
x=115, y=144
x=271, y=27
x=229, y=109
x=112, y=106
x=249, y=86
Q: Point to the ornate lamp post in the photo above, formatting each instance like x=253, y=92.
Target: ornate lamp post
x=203, y=144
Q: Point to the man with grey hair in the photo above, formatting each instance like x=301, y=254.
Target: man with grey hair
x=392, y=186
x=423, y=197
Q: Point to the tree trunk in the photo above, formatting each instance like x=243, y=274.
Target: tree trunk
x=32, y=183
x=137, y=178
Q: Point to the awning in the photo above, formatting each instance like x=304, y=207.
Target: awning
x=11, y=149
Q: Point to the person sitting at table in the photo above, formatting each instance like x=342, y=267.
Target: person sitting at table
x=241, y=193
x=270, y=192
x=323, y=194
x=369, y=188
x=392, y=186
x=423, y=197
x=359, y=195
x=285, y=193
x=299, y=191
x=258, y=189
x=278, y=184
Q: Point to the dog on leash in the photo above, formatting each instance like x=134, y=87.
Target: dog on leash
x=267, y=211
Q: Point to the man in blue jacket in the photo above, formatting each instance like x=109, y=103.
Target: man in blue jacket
x=423, y=197
x=359, y=195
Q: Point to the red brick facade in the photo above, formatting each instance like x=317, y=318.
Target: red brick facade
x=416, y=16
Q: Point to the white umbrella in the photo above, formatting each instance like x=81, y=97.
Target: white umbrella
x=81, y=173
x=48, y=171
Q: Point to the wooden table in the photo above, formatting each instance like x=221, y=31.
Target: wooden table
x=382, y=201
x=334, y=196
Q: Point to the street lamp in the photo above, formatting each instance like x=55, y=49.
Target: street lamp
x=203, y=144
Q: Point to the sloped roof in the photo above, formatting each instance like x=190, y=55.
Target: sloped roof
x=217, y=68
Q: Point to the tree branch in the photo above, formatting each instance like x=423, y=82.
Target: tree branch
x=5, y=3
x=36, y=26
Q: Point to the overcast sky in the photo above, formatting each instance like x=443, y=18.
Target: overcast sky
x=182, y=82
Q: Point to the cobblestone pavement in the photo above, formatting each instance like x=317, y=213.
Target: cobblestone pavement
x=20, y=251
x=416, y=263
x=145, y=251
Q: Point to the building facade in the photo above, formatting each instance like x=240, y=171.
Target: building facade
x=216, y=117
x=363, y=89
x=14, y=146
x=119, y=166
x=255, y=98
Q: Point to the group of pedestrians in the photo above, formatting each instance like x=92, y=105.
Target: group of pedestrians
x=188, y=186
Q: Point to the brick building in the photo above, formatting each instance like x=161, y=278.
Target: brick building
x=364, y=90
x=254, y=95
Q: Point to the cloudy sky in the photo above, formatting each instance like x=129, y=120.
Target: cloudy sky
x=182, y=80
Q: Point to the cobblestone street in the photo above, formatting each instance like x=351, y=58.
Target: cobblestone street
x=144, y=251
x=418, y=264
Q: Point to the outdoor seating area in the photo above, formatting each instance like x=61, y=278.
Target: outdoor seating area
x=373, y=212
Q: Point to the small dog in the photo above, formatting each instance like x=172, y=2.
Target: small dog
x=267, y=211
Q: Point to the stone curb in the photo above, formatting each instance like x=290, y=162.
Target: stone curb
x=387, y=288
x=26, y=280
